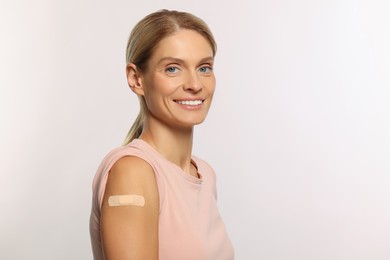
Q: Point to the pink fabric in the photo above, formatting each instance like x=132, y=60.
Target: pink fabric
x=190, y=226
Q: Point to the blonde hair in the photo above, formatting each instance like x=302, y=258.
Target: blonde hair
x=143, y=40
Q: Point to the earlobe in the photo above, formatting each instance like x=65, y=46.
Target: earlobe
x=134, y=79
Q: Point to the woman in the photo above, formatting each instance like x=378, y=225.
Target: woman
x=152, y=199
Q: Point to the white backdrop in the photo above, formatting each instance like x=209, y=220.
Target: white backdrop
x=299, y=132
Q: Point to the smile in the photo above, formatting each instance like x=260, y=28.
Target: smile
x=189, y=102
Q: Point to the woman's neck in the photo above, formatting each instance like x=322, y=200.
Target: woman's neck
x=174, y=143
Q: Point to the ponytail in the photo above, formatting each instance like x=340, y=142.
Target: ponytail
x=135, y=130
x=138, y=125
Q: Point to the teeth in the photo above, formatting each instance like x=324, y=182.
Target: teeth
x=190, y=102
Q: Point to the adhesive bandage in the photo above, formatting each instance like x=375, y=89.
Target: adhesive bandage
x=126, y=200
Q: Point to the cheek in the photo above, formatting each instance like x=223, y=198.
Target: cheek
x=165, y=86
x=211, y=85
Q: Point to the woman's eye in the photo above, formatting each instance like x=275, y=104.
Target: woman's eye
x=206, y=69
x=172, y=69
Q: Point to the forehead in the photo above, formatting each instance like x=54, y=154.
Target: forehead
x=184, y=44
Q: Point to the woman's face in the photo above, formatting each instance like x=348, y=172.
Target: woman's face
x=179, y=82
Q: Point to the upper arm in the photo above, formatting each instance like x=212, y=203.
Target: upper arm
x=131, y=232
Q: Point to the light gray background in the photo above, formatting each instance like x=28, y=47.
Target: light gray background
x=299, y=132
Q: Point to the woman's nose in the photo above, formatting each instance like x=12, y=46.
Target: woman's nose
x=193, y=83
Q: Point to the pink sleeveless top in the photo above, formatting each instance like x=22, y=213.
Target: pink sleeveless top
x=190, y=226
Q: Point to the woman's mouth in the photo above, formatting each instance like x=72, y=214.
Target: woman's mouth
x=189, y=102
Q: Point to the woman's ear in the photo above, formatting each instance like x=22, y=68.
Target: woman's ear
x=134, y=79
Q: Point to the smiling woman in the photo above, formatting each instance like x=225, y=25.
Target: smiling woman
x=152, y=198
x=178, y=79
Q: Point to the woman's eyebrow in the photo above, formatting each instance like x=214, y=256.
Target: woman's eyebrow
x=171, y=59
x=177, y=60
x=207, y=59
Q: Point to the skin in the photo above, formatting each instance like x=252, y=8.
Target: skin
x=179, y=69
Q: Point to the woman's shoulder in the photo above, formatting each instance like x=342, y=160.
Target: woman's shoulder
x=134, y=148
x=131, y=162
x=201, y=162
x=204, y=168
x=130, y=173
